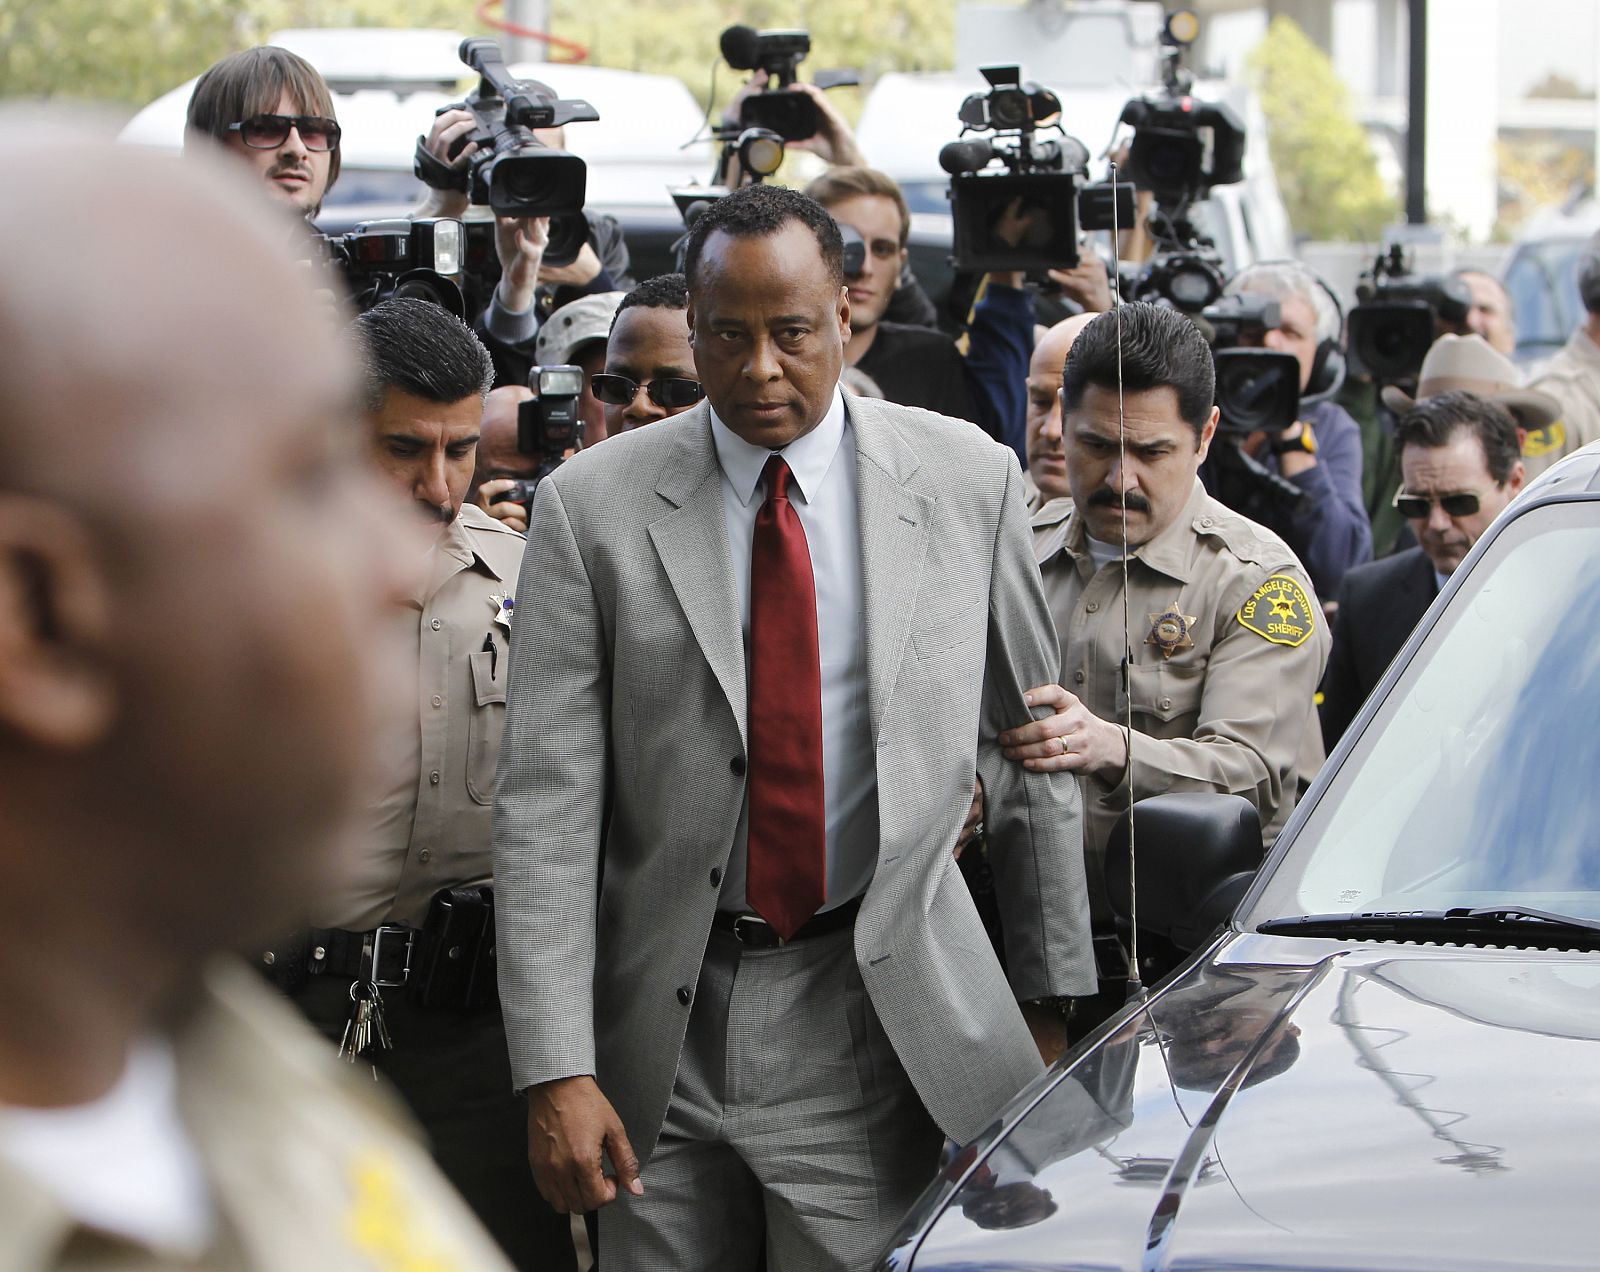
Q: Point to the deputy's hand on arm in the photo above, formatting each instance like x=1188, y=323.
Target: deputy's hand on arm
x=572, y=1128
x=519, y=242
x=974, y=822
x=514, y=515
x=447, y=129
x=1073, y=740
x=1086, y=283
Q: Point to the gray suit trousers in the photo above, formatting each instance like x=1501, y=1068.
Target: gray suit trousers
x=791, y=1122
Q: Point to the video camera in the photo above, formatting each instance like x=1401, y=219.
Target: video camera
x=512, y=171
x=1182, y=147
x=382, y=260
x=1258, y=389
x=1398, y=315
x=1027, y=216
x=781, y=108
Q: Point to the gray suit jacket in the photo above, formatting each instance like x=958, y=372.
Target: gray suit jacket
x=628, y=696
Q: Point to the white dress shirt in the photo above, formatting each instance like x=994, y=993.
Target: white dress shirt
x=824, y=496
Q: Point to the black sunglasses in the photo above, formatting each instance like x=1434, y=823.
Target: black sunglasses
x=268, y=132
x=669, y=393
x=1416, y=507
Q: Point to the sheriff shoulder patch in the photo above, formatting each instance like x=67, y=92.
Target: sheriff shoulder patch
x=1552, y=438
x=1279, y=611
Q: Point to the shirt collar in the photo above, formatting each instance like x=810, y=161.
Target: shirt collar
x=809, y=456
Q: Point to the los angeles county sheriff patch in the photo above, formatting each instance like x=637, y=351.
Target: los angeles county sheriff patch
x=1542, y=441
x=1279, y=611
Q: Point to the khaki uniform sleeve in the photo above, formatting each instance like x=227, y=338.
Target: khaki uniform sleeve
x=1255, y=705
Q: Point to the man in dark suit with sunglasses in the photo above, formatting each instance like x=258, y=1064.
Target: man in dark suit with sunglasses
x=274, y=111
x=1459, y=465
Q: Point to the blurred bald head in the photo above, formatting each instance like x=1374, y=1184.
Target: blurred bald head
x=1047, y=464
x=191, y=549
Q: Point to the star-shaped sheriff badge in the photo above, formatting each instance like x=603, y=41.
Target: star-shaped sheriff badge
x=1170, y=630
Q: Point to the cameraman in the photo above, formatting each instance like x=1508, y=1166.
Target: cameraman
x=921, y=366
x=273, y=110
x=528, y=290
x=1321, y=453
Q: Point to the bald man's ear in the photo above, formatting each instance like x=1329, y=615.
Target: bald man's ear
x=55, y=692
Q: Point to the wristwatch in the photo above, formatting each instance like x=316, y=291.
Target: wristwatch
x=1304, y=444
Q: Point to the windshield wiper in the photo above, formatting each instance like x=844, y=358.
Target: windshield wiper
x=1502, y=922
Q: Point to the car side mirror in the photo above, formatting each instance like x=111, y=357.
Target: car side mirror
x=1197, y=853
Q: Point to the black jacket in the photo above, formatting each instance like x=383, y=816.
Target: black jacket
x=1379, y=605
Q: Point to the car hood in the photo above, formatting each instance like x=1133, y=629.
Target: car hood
x=1366, y=1107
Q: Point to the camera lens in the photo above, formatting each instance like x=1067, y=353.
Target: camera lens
x=1009, y=109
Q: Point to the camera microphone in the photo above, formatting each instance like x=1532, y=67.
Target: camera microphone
x=966, y=156
x=741, y=47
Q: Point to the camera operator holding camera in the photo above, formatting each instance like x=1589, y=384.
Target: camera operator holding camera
x=400, y=970
x=532, y=284
x=1320, y=453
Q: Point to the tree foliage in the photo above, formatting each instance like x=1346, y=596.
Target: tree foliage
x=132, y=51
x=1324, y=160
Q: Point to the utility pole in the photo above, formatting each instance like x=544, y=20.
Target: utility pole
x=1417, y=114
x=535, y=16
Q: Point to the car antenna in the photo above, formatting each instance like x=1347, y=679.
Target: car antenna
x=1135, y=984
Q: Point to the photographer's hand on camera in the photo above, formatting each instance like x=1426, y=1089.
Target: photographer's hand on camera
x=512, y=514
x=1086, y=284
x=448, y=128
x=580, y=273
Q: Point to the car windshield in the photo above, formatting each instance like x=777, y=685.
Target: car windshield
x=1475, y=783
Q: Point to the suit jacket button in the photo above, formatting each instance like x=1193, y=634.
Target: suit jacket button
x=737, y=765
x=716, y=877
x=684, y=995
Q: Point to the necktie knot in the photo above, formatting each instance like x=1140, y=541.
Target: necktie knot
x=777, y=476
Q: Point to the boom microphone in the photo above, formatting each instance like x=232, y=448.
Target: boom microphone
x=741, y=46
x=966, y=156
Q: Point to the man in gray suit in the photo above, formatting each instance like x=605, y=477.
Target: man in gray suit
x=760, y=650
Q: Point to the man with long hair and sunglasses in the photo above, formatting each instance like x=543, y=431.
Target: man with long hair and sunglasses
x=1460, y=465
x=275, y=111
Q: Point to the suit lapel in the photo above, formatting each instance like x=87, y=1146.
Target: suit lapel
x=894, y=540
x=692, y=542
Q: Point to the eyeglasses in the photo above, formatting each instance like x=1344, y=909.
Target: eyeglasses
x=268, y=132
x=669, y=393
x=1416, y=507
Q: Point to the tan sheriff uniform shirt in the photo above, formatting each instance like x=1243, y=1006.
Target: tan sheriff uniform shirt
x=1228, y=644
x=1572, y=377
x=430, y=826
x=309, y=1165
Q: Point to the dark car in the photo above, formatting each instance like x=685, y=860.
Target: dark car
x=1388, y=1057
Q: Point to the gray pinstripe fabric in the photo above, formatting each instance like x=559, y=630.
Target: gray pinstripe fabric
x=628, y=682
x=820, y=1144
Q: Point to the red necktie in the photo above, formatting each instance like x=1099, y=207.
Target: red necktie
x=786, y=881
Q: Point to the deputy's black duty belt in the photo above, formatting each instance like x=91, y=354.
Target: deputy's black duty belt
x=756, y=932
x=382, y=956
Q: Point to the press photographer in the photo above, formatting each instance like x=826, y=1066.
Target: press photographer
x=1316, y=506
x=503, y=148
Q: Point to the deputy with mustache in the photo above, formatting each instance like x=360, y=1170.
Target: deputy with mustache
x=1227, y=636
